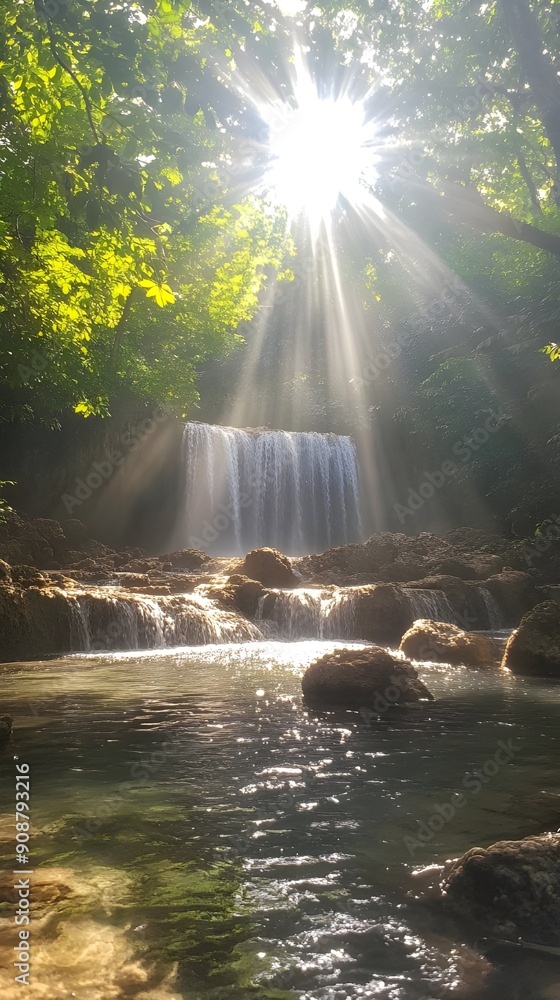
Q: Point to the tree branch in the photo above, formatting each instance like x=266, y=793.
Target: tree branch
x=68, y=69
x=466, y=207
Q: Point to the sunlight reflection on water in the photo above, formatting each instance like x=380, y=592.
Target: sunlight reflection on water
x=259, y=845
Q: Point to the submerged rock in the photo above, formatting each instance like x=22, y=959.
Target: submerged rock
x=362, y=678
x=269, y=567
x=509, y=890
x=533, y=650
x=445, y=643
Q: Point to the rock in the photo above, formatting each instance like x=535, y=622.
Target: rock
x=382, y=613
x=90, y=564
x=515, y=593
x=35, y=623
x=444, y=643
x=140, y=566
x=239, y=592
x=335, y=565
x=156, y=583
x=269, y=567
x=5, y=728
x=509, y=890
x=28, y=576
x=5, y=572
x=75, y=532
x=474, y=567
x=185, y=558
x=533, y=650
x=365, y=678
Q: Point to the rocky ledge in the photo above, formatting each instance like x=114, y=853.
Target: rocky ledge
x=61, y=591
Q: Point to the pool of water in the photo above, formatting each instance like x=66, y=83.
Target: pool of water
x=196, y=833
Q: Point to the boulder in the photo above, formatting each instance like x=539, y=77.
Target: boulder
x=269, y=567
x=185, y=558
x=509, y=890
x=362, y=678
x=533, y=650
x=382, y=613
x=5, y=572
x=239, y=592
x=515, y=593
x=444, y=643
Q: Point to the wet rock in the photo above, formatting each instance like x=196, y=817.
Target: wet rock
x=382, y=613
x=515, y=593
x=185, y=559
x=140, y=565
x=239, y=592
x=368, y=678
x=269, y=567
x=28, y=576
x=444, y=643
x=509, y=890
x=34, y=623
x=156, y=583
x=533, y=650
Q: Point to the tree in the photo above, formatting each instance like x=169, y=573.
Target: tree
x=129, y=250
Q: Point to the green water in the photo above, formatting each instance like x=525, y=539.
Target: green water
x=220, y=841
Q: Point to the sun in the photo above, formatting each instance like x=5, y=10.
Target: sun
x=318, y=151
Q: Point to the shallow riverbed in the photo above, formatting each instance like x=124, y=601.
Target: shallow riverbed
x=219, y=841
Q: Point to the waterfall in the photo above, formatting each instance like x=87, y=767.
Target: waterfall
x=108, y=620
x=495, y=620
x=297, y=492
x=432, y=604
x=310, y=613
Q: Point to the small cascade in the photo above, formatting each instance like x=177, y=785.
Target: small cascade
x=310, y=613
x=495, y=620
x=432, y=604
x=298, y=492
x=108, y=620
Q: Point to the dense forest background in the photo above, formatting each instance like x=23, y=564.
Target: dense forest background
x=144, y=268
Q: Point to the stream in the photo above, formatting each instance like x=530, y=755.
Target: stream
x=203, y=824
